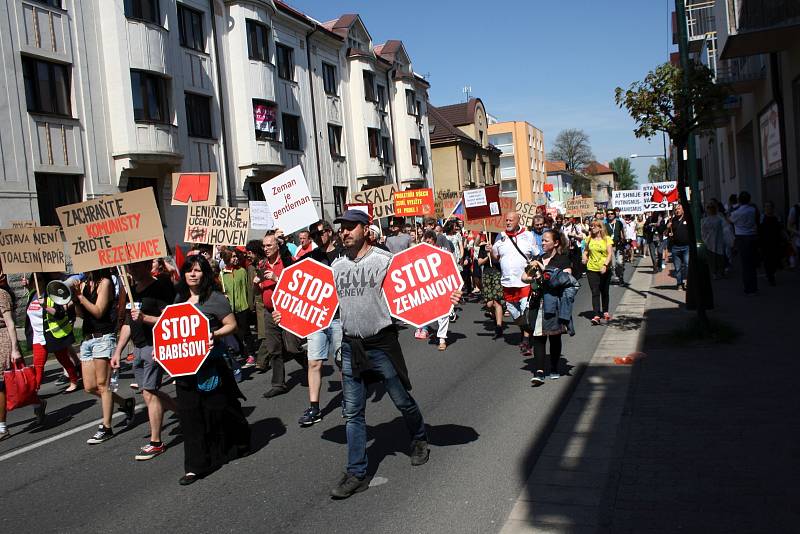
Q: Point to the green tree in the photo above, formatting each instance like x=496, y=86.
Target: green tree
x=572, y=147
x=626, y=177
x=658, y=171
x=659, y=103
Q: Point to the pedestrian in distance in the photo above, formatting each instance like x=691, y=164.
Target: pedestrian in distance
x=370, y=351
x=443, y=323
x=398, y=241
x=680, y=240
x=255, y=257
x=716, y=235
x=616, y=231
x=598, y=257
x=150, y=296
x=745, y=218
x=553, y=290
x=773, y=241
x=240, y=292
x=95, y=304
x=214, y=427
x=491, y=286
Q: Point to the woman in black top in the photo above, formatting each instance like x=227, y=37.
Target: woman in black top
x=95, y=303
x=215, y=430
x=552, y=257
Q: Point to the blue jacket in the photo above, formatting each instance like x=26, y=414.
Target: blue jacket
x=558, y=297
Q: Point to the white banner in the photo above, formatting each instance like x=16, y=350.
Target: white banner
x=667, y=191
x=629, y=202
x=290, y=204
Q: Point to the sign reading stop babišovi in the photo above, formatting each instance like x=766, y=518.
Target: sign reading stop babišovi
x=37, y=249
x=181, y=339
x=113, y=230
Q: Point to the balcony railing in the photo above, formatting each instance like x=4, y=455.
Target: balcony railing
x=764, y=14
x=741, y=70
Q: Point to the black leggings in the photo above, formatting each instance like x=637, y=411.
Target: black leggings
x=598, y=283
x=539, y=343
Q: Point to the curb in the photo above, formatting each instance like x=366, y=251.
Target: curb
x=564, y=492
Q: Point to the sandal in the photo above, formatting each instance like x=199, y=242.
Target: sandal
x=188, y=478
x=442, y=346
x=70, y=388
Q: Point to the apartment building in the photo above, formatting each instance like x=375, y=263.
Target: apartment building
x=753, y=47
x=463, y=157
x=114, y=95
x=522, y=160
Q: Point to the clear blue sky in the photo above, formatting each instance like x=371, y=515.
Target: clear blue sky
x=552, y=63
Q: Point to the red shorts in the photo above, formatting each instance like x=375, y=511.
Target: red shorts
x=516, y=294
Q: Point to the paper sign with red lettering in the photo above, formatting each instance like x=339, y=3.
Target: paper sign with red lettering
x=482, y=203
x=290, y=202
x=113, y=230
x=194, y=188
x=419, y=283
x=180, y=339
x=414, y=203
x=306, y=297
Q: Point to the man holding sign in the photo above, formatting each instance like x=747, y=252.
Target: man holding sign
x=370, y=347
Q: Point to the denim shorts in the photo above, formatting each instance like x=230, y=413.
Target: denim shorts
x=146, y=371
x=98, y=348
x=517, y=309
x=325, y=342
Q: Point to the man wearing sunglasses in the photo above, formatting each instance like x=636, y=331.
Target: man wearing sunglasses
x=616, y=231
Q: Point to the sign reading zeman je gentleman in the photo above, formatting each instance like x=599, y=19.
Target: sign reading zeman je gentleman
x=113, y=230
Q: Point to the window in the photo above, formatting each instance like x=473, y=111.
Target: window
x=149, y=97
x=382, y=98
x=335, y=140
x=423, y=159
x=190, y=28
x=339, y=200
x=411, y=102
x=329, y=79
x=146, y=10
x=469, y=170
x=386, y=150
x=415, y=151
x=508, y=168
x=285, y=62
x=369, y=86
x=291, y=132
x=265, y=117
x=374, y=139
x=54, y=191
x=257, y=41
x=51, y=3
x=419, y=111
x=508, y=186
x=47, y=87
x=198, y=115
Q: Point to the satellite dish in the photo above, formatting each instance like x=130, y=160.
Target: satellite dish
x=59, y=292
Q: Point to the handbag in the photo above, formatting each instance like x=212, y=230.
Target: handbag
x=20, y=383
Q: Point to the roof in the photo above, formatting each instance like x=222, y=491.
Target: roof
x=299, y=15
x=462, y=113
x=389, y=49
x=341, y=25
x=442, y=130
x=551, y=166
x=595, y=168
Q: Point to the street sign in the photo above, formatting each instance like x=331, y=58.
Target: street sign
x=419, y=283
x=306, y=297
x=180, y=339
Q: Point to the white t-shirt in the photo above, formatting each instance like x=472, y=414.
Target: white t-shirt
x=512, y=263
x=36, y=317
x=744, y=220
x=630, y=230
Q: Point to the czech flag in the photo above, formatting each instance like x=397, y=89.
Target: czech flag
x=458, y=211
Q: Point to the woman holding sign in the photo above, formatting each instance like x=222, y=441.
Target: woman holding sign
x=215, y=430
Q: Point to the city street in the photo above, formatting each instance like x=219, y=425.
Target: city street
x=486, y=424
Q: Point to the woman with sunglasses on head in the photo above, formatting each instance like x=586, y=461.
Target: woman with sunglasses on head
x=215, y=429
x=598, y=256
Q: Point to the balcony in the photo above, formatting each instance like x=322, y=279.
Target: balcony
x=760, y=27
x=742, y=74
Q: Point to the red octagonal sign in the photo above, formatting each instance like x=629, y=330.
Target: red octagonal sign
x=419, y=284
x=305, y=295
x=180, y=339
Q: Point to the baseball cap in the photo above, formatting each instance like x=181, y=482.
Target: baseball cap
x=375, y=229
x=356, y=216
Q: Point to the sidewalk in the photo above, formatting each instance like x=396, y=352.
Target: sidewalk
x=693, y=437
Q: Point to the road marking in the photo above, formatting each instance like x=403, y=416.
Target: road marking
x=57, y=437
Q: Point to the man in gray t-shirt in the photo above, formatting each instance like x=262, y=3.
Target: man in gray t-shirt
x=397, y=241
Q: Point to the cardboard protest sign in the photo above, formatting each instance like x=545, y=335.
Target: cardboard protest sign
x=491, y=224
x=260, y=216
x=194, y=188
x=217, y=225
x=579, y=207
x=22, y=224
x=443, y=195
x=113, y=230
x=306, y=297
x=32, y=250
x=290, y=202
x=629, y=202
x=414, y=203
x=419, y=282
x=659, y=196
x=482, y=203
x=527, y=211
x=381, y=198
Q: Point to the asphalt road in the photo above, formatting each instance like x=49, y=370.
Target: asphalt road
x=486, y=425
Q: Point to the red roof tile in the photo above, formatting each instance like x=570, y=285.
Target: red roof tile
x=550, y=166
x=460, y=114
x=442, y=130
x=595, y=168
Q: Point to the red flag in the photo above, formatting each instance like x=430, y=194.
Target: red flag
x=179, y=257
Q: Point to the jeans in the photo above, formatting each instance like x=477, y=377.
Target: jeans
x=325, y=342
x=680, y=259
x=355, y=399
x=655, y=255
x=747, y=245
